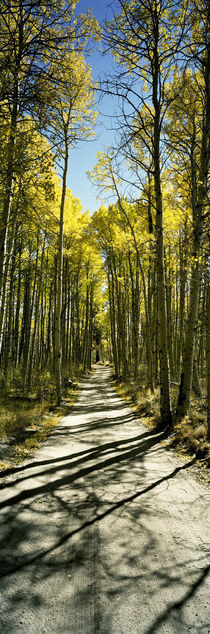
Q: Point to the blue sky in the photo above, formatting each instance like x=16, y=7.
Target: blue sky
x=83, y=157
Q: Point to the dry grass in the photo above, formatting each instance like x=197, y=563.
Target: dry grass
x=25, y=423
x=142, y=400
x=189, y=435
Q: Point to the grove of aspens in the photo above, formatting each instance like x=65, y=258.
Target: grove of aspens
x=127, y=285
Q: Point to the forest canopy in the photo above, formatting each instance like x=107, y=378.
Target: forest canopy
x=128, y=285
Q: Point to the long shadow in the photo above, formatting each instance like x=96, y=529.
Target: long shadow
x=87, y=524
x=29, y=465
x=77, y=429
x=101, y=407
x=94, y=425
x=67, y=479
x=91, y=387
x=90, y=454
x=72, y=518
x=177, y=605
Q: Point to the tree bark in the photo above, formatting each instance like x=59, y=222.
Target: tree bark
x=8, y=195
x=58, y=346
x=112, y=317
x=208, y=361
x=29, y=367
x=5, y=284
x=165, y=401
x=189, y=343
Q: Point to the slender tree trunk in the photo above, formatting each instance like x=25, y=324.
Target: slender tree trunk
x=208, y=358
x=58, y=346
x=72, y=327
x=148, y=333
x=169, y=290
x=86, y=328
x=195, y=379
x=203, y=325
x=26, y=320
x=49, y=326
x=77, y=343
x=135, y=317
x=27, y=341
x=90, y=328
x=112, y=318
x=8, y=195
x=183, y=275
x=54, y=309
x=165, y=401
x=5, y=285
x=17, y=314
x=118, y=315
x=189, y=344
x=68, y=318
x=8, y=355
x=36, y=317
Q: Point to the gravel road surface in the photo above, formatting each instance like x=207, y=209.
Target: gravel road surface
x=105, y=531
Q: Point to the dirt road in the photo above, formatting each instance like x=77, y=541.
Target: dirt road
x=105, y=531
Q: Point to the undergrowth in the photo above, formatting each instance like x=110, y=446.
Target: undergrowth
x=27, y=420
x=188, y=436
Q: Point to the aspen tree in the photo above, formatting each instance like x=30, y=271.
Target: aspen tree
x=28, y=32
x=31, y=34
x=198, y=220
x=208, y=358
x=144, y=39
x=104, y=175
x=71, y=120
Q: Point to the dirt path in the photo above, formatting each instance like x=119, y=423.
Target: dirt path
x=105, y=531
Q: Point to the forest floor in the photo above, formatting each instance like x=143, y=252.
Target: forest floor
x=188, y=436
x=27, y=420
x=105, y=530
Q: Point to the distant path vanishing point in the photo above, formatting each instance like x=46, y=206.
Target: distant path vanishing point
x=105, y=531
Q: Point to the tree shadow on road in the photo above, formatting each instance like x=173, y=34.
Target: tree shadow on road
x=53, y=522
x=133, y=448
x=15, y=533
